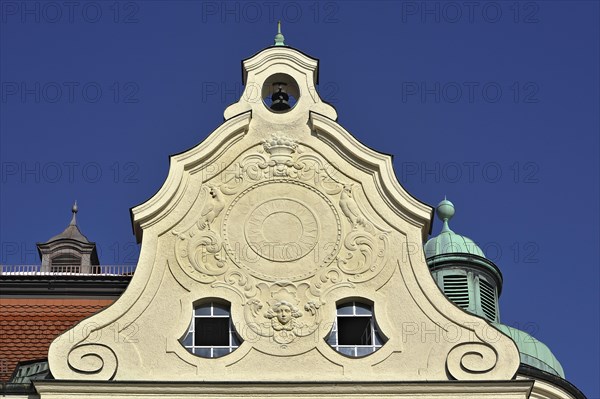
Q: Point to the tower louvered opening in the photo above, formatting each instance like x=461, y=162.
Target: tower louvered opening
x=456, y=288
x=487, y=293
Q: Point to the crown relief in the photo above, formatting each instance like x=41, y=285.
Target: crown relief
x=280, y=146
x=281, y=150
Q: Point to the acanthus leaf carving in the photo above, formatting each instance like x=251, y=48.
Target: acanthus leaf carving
x=319, y=173
x=366, y=255
x=328, y=280
x=239, y=282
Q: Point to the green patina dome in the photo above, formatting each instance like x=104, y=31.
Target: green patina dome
x=533, y=352
x=445, y=253
x=448, y=242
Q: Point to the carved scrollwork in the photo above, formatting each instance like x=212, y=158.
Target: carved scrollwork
x=240, y=283
x=471, y=361
x=198, y=252
x=198, y=246
x=318, y=173
x=328, y=280
x=278, y=213
x=240, y=172
x=365, y=256
x=280, y=159
x=95, y=361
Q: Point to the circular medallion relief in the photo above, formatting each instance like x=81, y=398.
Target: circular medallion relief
x=281, y=229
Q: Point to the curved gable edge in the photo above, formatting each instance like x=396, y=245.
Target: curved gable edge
x=223, y=137
x=376, y=163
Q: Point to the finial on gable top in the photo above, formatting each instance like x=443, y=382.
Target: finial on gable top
x=74, y=209
x=279, y=37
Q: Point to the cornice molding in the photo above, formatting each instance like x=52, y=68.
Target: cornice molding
x=516, y=389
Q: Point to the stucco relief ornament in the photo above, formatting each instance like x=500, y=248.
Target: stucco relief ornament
x=95, y=361
x=281, y=229
x=319, y=173
x=286, y=321
x=282, y=158
x=350, y=208
x=280, y=149
x=283, y=315
x=366, y=246
x=198, y=248
x=212, y=208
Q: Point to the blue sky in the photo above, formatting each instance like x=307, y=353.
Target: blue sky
x=494, y=104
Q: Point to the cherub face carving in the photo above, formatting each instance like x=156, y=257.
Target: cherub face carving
x=282, y=314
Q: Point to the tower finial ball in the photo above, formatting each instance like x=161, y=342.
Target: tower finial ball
x=445, y=210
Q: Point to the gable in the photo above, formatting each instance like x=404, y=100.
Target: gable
x=280, y=219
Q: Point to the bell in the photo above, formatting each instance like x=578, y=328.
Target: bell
x=279, y=98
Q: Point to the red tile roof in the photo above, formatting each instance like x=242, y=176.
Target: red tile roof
x=28, y=326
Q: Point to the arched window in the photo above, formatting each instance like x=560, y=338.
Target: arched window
x=355, y=332
x=211, y=333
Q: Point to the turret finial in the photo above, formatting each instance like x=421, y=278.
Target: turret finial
x=279, y=39
x=445, y=211
x=74, y=209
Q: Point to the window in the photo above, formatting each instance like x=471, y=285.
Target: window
x=65, y=263
x=211, y=333
x=355, y=332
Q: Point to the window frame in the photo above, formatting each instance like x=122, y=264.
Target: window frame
x=376, y=338
x=211, y=351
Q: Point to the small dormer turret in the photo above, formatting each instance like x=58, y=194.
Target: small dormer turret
x=69, y=251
